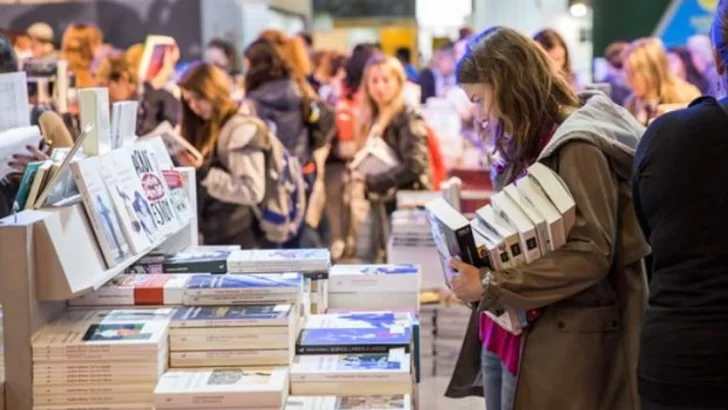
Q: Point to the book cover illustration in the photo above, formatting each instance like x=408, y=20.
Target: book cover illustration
x=198, y=260
x=394, y=402
x=232, y=313
x=292, y=281
x=101, y=211
x=377, y=361
x=155, y=188
x=119, y=332
x=232, y=377
x=349, y=337
x=374, y=270
x=360, y=320
x=25, y=183
x=177, y=189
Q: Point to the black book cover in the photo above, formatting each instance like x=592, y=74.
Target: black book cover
x=201, y=261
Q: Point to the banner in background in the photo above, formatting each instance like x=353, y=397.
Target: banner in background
x=685, y=18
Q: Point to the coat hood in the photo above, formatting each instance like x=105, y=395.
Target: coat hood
x=604, y=124
x=278, y=95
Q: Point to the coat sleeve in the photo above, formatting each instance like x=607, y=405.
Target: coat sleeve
x=586, y=257
x=244, y=180
x=414, y=154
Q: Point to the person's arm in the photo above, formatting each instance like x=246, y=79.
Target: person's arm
x=244, y=183
x=586, y=257
x=412, y=149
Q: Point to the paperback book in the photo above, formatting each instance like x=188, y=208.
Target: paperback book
x=94, y=106
x=13, y=141
x=137, y=290
x=234, y=316
x=374, y=278
x=197, y=261
x=235, y=289
x=384, y=402
x=177, y=188
x=280, y=260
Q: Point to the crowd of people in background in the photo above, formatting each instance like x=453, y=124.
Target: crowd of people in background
x=585, y=301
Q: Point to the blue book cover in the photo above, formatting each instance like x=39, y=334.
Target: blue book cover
x=376, y=269
x=294, y=281
x=353, y=340
x=366, y=320
x=232, y=313
x=28, y=177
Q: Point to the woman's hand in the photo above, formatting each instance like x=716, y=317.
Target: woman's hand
x=21, y=161
x=185, y=159
x=465, y=281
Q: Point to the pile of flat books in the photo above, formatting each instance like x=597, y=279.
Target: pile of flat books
x=410, y=242
x=222, y=388
x=239, y=336
x=95, y=358
x=391, y=402
x=363, y=353
x=366, y=288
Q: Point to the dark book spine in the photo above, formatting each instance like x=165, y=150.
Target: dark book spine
x=196, y=267
x=352, y=349
x=468, y=249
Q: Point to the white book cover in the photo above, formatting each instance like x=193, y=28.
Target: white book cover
x=376, y=157
x=175, y=143
x=488, y=218
x=222, y=388
x=178, y=191
x=135, y=290
x=101, y=210
x=13, y=141
x=94, y=106
x=509, y=212
x=394, y=366
x=279, y=260
x=158, y=194
x=128, y=197
x=230, y=358
x=84, y=316
x=390, y=402
x=497, y=255
x=398, y=321
x=14, y=101
x=556, y=191
x=532, y=192
x=123, y=123
x=536, y=218
x=374, y=278
x=104, y=338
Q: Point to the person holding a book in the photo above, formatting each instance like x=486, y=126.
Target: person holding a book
x=582, y=302
x=386, y=117
x=679, y=180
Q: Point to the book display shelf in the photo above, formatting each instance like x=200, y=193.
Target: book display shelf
x=49, y=256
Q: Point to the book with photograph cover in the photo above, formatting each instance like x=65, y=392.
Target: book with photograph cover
x=101, y=211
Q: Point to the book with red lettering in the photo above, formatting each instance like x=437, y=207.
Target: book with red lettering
x=137, y=290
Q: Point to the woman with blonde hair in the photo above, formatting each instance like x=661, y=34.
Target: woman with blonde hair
x=80, y=44
x=582, y=302
x=232, y=178
x=654, y=86
x=385, y=115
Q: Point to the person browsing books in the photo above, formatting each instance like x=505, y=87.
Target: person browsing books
x=232, y=177
x=584, y=300
x=386, y=118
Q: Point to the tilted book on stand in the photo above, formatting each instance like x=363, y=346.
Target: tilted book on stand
x=175, y=183
x=174, y=143
x=94, y=106
x=123, y=123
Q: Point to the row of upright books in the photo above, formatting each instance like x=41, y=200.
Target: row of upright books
x=234, y=340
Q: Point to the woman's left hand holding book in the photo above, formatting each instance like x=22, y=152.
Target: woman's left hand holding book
x=20, y=161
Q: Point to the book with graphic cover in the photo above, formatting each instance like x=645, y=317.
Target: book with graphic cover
x=453, y=236
x=374, y=278
x=393, y=366
x=234, y=316
x=197, y=261
x=280, y=260
x=235, y=284
x=384, y=402
x=25, y=184
x=155, y=187
x=137, y=290
x=222, y=388
x=177, y=188
x=359, y=332
x=103, y=215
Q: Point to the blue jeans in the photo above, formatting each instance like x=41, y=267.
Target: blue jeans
x=499, y=383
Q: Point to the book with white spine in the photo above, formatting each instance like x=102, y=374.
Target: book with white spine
x=536, y=218
x=390, y=402
x=137, y=290
x=222, y=388
x=509, y=212
x=532, y=192
x=94, y=106
x=490, y=247
x=240, y=285
x=374, y=278
x=123, y=123
x=279, y=260
x=392, y=367
x=486, y=215
x=556, y=191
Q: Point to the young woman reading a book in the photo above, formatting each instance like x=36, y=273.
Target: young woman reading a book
x=232, y=178
x=583, y=301
x=384, y=114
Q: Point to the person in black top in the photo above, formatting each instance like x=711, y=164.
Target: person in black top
x=680, y=192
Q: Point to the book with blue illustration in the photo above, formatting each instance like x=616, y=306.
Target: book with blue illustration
x=280, y=260
x=252, y=283
x=376, y=332
x=231, y=316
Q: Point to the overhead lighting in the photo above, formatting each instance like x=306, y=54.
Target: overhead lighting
x=579, y=10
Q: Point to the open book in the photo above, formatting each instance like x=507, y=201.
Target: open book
x=174, y=142
x=376, y=157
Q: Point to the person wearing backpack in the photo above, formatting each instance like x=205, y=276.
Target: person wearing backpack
x=250, y=189
x=385, y=115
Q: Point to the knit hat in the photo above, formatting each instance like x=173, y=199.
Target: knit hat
x=41, y=32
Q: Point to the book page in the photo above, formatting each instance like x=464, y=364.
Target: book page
x=14, y=104
x=13, y=141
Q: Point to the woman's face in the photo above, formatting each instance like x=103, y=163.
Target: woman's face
x=382, y=85
x=558, y=58
x=121, y=89
x=482, y=96
x=677, y=66
x=200, y=106
x=637, y=81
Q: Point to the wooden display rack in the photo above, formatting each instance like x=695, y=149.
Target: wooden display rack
x=47, y=257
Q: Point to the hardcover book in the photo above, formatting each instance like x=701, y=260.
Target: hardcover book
x=100, y=208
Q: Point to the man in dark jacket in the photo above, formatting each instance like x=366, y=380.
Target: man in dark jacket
x=440, y=76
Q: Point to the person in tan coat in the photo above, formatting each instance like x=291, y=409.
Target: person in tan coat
x=585, y=300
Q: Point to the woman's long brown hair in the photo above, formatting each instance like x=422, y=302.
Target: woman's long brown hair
x=77, y=47
x=209, y=83
x=527, y=94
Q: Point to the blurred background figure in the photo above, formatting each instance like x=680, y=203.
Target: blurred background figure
x=558, y=51
x=682, y=65
x=23, y=47
x=222, y=54
x=8, y=59
x=701, y=51
x=42, y=37
x=615, y=72
x=439, y=77
x=651, y=81
x=404, y=55
x=464, y=35
x=80, y=45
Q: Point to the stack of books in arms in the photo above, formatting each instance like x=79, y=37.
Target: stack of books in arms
x=365, y=288
x=91, y=359
x=411, y=243
x=525, y=221
x=364, y=353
